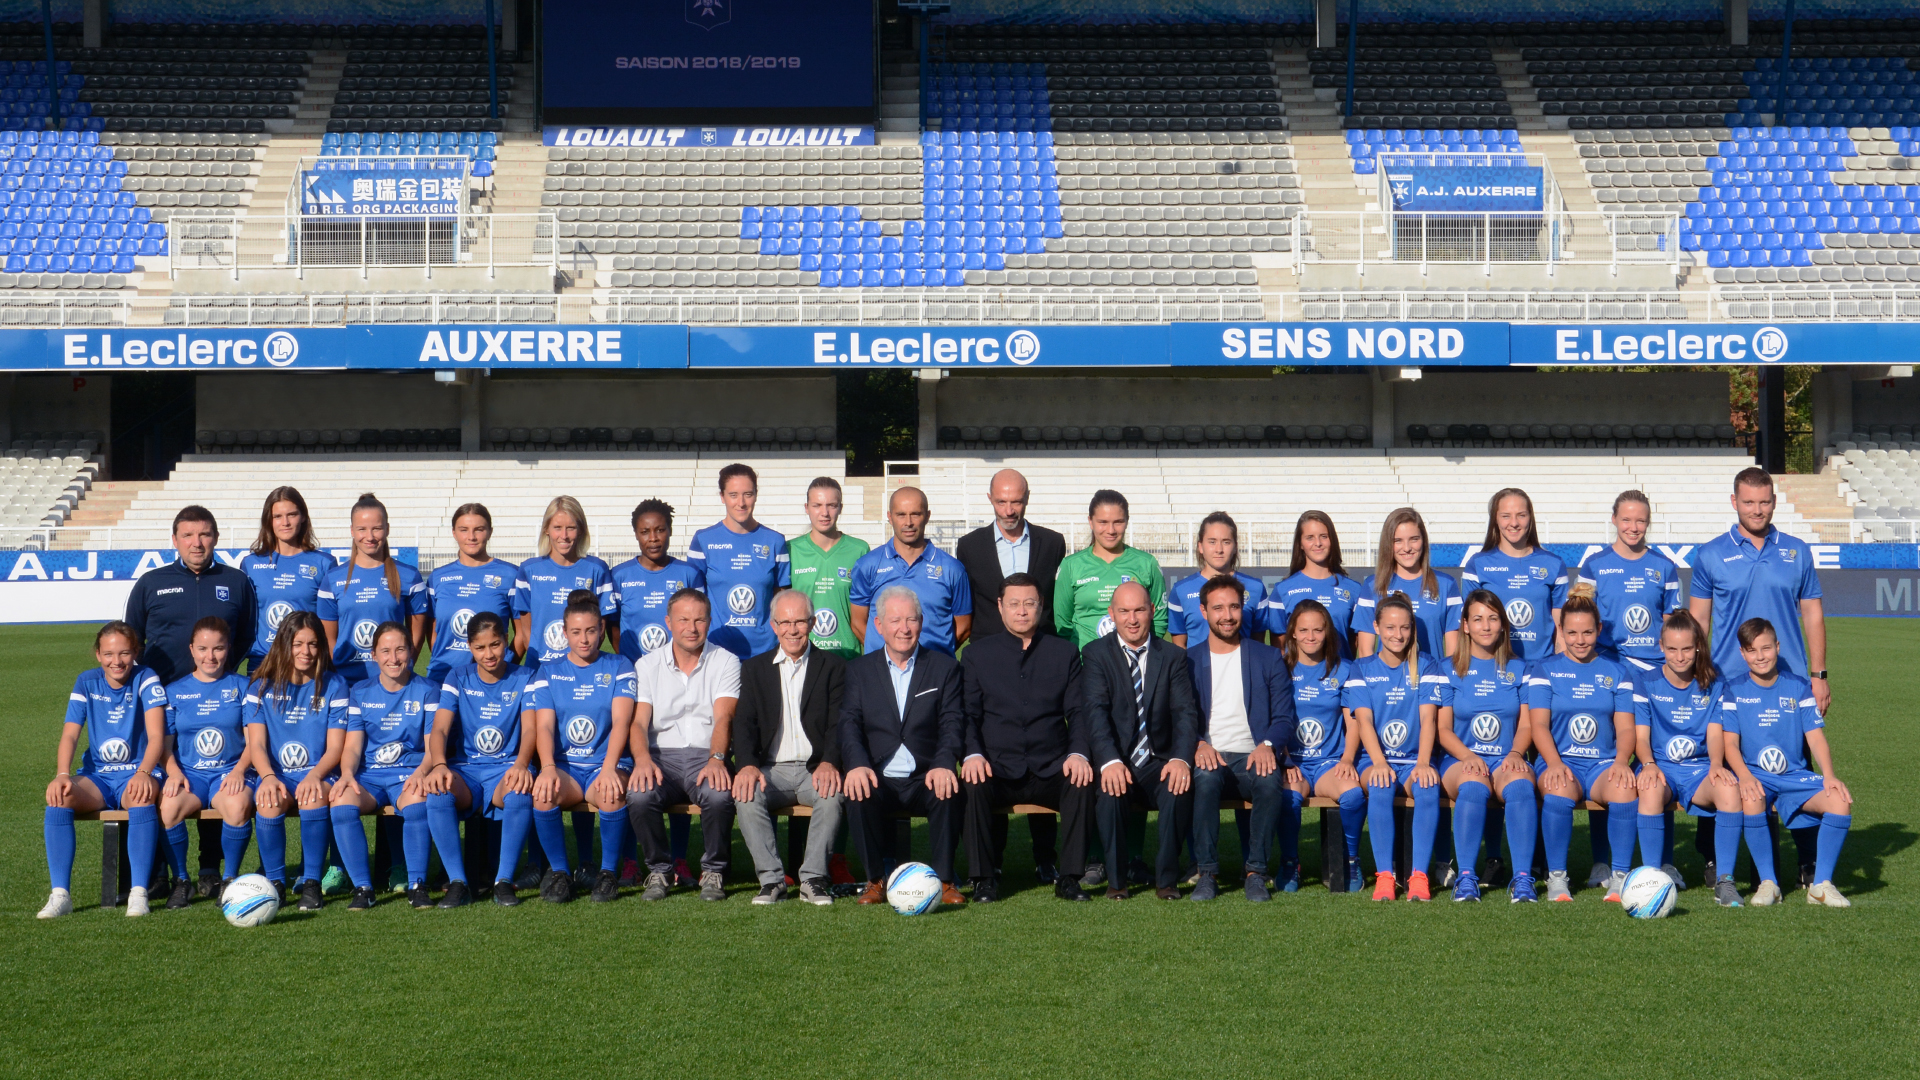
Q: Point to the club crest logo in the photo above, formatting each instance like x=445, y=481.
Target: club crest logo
x=1105, y=627
x=652, y=636
x=293, y=756
x=1539, y=572
x=114, y=752
x=1311, y=733
x=708, y=14
x=389, y=753
x=1486, y=727
x=581, y=730
x=1519, y=613
x=489, y=740
x=491, y=581
x=1584, y=729
x=1637, y=618
x=825, y=623
x=1774, y=760
x=221, y=593
x=554, y=637
x=741, y=599
x=363, y=634
x=277, y=613
x=1680, y=748
x=1786, y=703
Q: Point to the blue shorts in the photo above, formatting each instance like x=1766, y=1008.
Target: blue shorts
x=1315, y=768
x=480, y=778
x=584, y=774
x=204, y=784
x=1402, y=770
x=1788, y=792
x=112, y=785
x=1685, y=778
x=1586, y=771
x=384, y=785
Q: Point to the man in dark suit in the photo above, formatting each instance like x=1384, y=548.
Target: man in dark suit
x=1010, y=545
x=1026, y=742
x=1246, y=709
x=1143, y=724
x=901, y=723
x=786, y=745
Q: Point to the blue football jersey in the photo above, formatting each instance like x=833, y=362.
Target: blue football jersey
x=395, y=721
x=458, y=592
x=486, y=715
x=1676, y=718
x=282, y=585
x=296, y=726
x=1321, y=734
x=1435, y=615
x=1771, y=721
x=1394, y=698
x=1486, y=704
x=207, y=721
x=1582, y=699
x=640, y=599
x=356, y=599
x=743, y=571
x=115, y=720
x=548, y=584
x=1338, y=594
x=582, y=702
x=1184, y=614
x=1532, y=587
x=1633, y=596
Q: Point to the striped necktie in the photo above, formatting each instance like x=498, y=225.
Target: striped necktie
x=1141, y=751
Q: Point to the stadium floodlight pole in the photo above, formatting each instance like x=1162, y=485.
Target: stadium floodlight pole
x=493, y=69
x=1786, y=61
x=1353, y=47
x=53, y=76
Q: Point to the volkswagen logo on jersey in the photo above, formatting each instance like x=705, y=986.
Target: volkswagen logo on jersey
x=740, y=599
x=489, y=739
x=1519, y=613
x=277, y=611
x=1637, y=618
x=1583, y=728
x=1105, y=627
x=209, y=742
x=1311, y=733
x=363, y=634
x=1680, y=748
x=554, y=637
x=1394, y=734
x=1774, y=760
x=388, y=753
x=580, y=730
x=293, y=756
x=1486, y=727
x=825, y=623
x=653, y=636
x=114, y=752
x=459, y=622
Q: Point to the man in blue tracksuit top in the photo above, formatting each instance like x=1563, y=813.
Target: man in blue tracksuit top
x=165, y=603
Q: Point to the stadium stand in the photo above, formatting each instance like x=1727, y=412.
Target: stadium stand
x=421, y=79
x=1408, y=76
x=68, y=215
x=334, y=309
x=1878, y=475
x=43, y=476
x=1506, y=305
x=440, y=440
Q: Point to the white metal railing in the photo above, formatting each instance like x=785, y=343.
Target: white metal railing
x=340, y=309
x=1817, y=301
x=257, y=242
x=1636, y=305
x=903, y=306
x=1386, y=162
x=26, y=309
x=1381, y=237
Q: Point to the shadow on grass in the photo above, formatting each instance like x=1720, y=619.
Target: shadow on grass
x=1866, y=854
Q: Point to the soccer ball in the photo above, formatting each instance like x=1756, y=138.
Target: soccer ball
x=913, y=889
x=250, y=900
x=1648, y=894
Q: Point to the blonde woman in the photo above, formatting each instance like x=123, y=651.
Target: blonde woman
x=562, y=566
x=1406, y=567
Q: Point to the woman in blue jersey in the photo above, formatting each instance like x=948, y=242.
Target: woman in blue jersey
x=643, y=584
x=1384, y=692
x=1406, y=566
x=122, y=710
x=286, y=566
x=562, y=567
x=296, y=715
x=1217, y=550
x=1531, y=581
x=371, y=589
x=384, y=763
x=1766, y=716
x=584, y=702
x=481, y=749
x=1581, y=707
x=1320, y=757
x=207, y=761
x=472, y=583
x=1673, y=708
x=1316, y=573
x=1477, y=714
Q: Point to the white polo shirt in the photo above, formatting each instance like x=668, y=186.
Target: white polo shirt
x=682, y=703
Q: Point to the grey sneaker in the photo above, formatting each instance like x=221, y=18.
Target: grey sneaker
x=1672, y=871
x=817, y=891
x=714, y=887
x=1598, y=875
x=1096, y=875
x=656, y=886
x=1615, y=882
x=1726, y=893
x=1557, y=889
x=768, y=894
x=1205, y=887
x=1767, y=895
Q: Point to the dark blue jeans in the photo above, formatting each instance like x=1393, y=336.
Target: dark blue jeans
x=1235, y=780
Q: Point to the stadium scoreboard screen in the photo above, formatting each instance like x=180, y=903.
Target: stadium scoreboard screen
x=708, y=61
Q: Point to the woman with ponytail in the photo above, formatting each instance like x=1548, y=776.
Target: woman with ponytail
x=372, y=588
x=1384, y=692
x=1672, y=708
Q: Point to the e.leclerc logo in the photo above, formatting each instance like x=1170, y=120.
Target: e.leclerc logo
x=1018, y=347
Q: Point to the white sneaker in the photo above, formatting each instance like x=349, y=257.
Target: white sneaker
x=59, y=902
x=1615, y=882
x=1767, y=895
x=1824, y=893
x=136, y=903
x=1557, y=890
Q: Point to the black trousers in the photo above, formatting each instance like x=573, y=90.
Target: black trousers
x=1147, y=792
x=986, y=845
x=875, y=833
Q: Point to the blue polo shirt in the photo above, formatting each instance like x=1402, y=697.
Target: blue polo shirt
x=936, y=577
x=1745, y=582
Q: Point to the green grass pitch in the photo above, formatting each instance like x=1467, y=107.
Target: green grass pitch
x=1311, y=984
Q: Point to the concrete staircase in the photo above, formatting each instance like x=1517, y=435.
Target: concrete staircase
x=899, y=94
x=1815, y=496
x=102, y=508
x=316, y=101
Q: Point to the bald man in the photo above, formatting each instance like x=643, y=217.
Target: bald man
x=910, y=559
x=1011, y=545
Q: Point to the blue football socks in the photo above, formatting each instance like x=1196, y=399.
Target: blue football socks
x=443, y=822
x=352, y=842
x=1469, y=823
x=273, y=847
x=1833, y=836
x=1523, y=824
x=1380, y=827
x=1759, y=845
x=177, y=850
x=551, y=827
x=1726, y=843
x=1653, y=839
x=1426, y=819
x=1556, y=830
x=1353, y=815
x=416, y=842
x=58, y=828
x=515, y=819
x=233, y=847
x=613, y=831
x=316, y=837
x=1621, y=822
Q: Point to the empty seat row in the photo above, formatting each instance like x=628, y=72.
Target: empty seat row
x=1571, y=434
x=602, y=438
x=1250, y=435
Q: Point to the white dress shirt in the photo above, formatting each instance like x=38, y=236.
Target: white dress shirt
x=793, y=746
